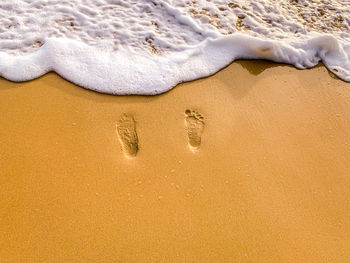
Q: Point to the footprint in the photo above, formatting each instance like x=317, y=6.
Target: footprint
x=195, y=126
x=126, y=130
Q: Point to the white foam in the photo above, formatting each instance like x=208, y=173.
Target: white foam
x=147, y=47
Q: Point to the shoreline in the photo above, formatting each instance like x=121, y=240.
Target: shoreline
x=268, y=182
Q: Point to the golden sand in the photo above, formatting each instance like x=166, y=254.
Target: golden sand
x=249, y=165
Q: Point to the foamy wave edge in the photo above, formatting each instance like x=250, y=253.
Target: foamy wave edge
x=125, y=72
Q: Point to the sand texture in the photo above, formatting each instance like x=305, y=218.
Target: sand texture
x=249, y=165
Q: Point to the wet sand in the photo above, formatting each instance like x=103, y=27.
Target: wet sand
x=249, y=165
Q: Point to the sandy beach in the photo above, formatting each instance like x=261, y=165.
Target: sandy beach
x=257, y=171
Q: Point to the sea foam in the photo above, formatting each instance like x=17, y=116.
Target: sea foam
x=147, y=47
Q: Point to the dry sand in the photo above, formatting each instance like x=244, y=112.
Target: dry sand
x=257, y=170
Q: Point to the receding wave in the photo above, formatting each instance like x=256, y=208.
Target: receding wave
x=147, y=47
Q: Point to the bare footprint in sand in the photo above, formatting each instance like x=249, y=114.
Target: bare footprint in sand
x=195, y=126
x=126, y=130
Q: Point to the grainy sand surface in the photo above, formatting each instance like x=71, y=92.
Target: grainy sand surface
x=249, y=165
